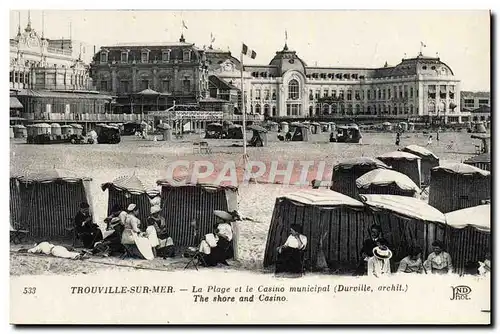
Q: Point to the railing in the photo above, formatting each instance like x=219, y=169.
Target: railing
x=119, y=118
x=60, y=51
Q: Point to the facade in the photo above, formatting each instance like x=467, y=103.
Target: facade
x=151, y=76
x=49, y=82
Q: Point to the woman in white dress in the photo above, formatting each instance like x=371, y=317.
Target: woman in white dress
x=290, y=254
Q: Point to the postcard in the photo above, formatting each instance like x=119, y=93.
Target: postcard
x=250, y=167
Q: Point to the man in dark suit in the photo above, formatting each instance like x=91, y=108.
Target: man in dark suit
x=375, y=240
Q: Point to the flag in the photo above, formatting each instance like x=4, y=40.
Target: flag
x=212, y=38
x=286, y=35
x=247, y=52
x=184, y=24
x=423, y=45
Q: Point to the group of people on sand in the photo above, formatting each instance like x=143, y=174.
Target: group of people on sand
x=376, y=256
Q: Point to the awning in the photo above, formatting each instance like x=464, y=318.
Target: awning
x=15, y=104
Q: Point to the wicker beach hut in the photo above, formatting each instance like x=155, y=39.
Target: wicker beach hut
x=456, y=186
x=403, y=162
x=482, y=161
x=386, y=181
x=428, y=160
x=345, y=174
x=335, y=226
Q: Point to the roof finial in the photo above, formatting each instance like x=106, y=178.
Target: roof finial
x=43, y=24
x=19, y=24
x=182, y=40
x=386, y=65
x=28, y=26
x=285, y=48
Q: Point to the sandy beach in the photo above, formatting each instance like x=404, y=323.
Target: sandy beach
x=149, y=160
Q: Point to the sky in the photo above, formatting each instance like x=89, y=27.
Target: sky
x=323, y=38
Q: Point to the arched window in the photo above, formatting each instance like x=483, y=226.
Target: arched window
x=411, y=109
x=266, y=110
x=274, y=111
x=349, y=109
x=395, y=110
x=334, y=108
x=293, y=90
x=326, y=109
x=311, y=110
x=358, y=109
x=318, y=109
x=369, y=110
x=257, y=109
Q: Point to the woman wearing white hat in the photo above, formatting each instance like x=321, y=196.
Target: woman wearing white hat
x=133, y=239
x=379, y=264
x=217, y=247
x=157, y=234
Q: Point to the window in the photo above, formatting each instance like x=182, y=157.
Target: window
x=432, y=91
x=325, y=93
x=369, y=110
x=341, y=94
x=186, y=85
x=357, y=96
x=379, y=92
x=104, y=86
x=484, y=102
x=293, y=90
x=274, y=111
x=144, y=57
x=334, y=93
x=405, y=89
x=124, y=57
x=11, y=76
x=369, y=93
x=165, y=86
x=349, y=95
x=124, y=86
x=104, y=57
x=442, y=92
x=383, y=94
x=257, y=94
x=400, y=92
x=411, y=109
x=469, y=103
x=144, y=84
x=316, y=94
x=257, y=109
x=358, y=109
x=186, y=56
x=411, y=92
x=389, y=94
x=165, y=56
x=266, y=110
x=395, y=110
x=318, y=109
x=326, y=109
x=274, y=95
x=266, y=94
x=349, y=109
x=311, y=95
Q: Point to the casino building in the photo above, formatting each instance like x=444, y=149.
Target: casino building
x=418, y=88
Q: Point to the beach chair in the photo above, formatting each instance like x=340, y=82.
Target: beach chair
x=17, y=235
x=196, y=260
x=196, y=147
x=205, y=148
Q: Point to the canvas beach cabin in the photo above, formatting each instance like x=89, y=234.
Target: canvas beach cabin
x=456, y=186
x=128, y=189
x=406, y=222
x=185, y=202
x=428, y=161
x=335, y=226
x=468, y=235
x=45, y=201
x=345, y=174
x=403, y=162
x=387, y=181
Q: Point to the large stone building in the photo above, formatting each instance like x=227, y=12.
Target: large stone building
x=478, y=104
x=49, y=82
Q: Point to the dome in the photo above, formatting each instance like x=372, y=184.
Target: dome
x=288, y=60
x=413, y=66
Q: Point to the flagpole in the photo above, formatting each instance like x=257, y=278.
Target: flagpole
x=243, y=111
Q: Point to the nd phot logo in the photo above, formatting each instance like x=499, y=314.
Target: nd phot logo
x=461, y=292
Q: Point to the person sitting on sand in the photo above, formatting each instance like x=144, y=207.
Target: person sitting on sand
x=88, y=232
x=111, y=244
x=289, y=259
x=132, y=234
x=412, y=264
x=439, y=261
x=157, y=234
x=57, y=251
x=379, y=264
x=217, y=247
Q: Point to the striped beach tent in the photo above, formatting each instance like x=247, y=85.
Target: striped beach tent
x=468, y=235
x=185, y=201
x=428, y=161
x=386, y=181
x=403, y=162
x=456, y=186
x=406, y=222
x=335, y=226
x=127, y=189
x=345, y=174
x=45, y=201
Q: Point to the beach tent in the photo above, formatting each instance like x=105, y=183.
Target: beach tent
x=335, y=226
x=387, y=126
x=428, y=160
x=184, y=202
x=456, y=186
x=67, y=130
x=128, y=189
x=259, y=136
x=77, y=129
x=345, y=174
x=301, y=132
x=20, y=131
x=468, y=235
x=315, y=127
x=386, y=181
x=403, y=162
x=43, y=201
x=56, y=129
x=406, y=222
x=482, y=161
x=284, y=127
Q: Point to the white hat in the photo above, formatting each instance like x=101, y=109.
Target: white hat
x=155, y=209
x=223, y=215
x=131, y=207
x=382, y=252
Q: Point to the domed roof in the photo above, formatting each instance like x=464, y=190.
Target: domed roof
x=286, y=60
x=418, y=65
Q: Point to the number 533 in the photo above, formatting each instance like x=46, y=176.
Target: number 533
x=29, y=290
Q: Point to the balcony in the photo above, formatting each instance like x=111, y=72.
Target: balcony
x=62, y=117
